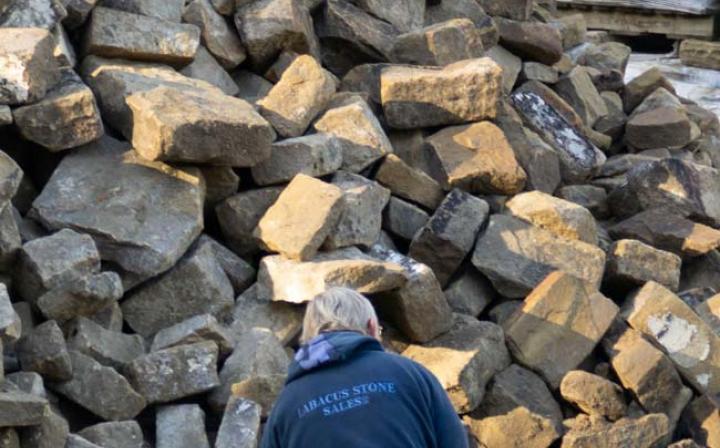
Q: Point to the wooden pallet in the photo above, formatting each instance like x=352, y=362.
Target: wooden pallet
x=696, y=7
x=635, y=22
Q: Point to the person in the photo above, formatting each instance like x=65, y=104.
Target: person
x=344, y=391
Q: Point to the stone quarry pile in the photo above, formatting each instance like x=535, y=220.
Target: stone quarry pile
x=177, y=180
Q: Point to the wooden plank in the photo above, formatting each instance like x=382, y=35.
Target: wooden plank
x=697, y=7
x=624, y=22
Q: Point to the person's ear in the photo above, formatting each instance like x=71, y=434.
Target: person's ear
x=373, y=329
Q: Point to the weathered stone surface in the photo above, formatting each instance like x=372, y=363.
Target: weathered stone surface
x=220, y=40
x=50, y=433
x=119, y=34
x=175, y=373
x=288, y=227
x=594, y=199
x=360, y=221
x=579, y=159
x=439, y=44
x=170, y=10
x=303, y=91
x=698, y=53
x=10, y=321
x=444, y=11
x=635, y=263
x=121, y=434
x=535, y=71
x=267, y=27
x=196, y=285
x=180, y=426
x=670, y=231
x=518, y=427
x=66, y=117
x=196, y=329
x=702, y=422
x=646, y=432
x=573, y=29
x=287, y=280
x=643, y=85
x=512, y=9
x=570, y=315
x=180, y=126
x=517, y=256
x=469, y=293
x=21, y=409
x=416, y=97
x=100, y=390
x=240, y=424
x=10, y=237
x=448, y=237
x=535, y=41
x=221, y=182
x=659, y=128
x=205, y=67
x=361, y=136
x=255, y=371
x=84, y=296
x=43, y=14
x=476, y=158
x=27, y=65
x=240, y=214
x=403, y=219
x=419, y=308
x=283, y=319
x=314, y=155
x=593, y=394
x=578, y=90
x=6, y=117
x=607, y=56
x=54, y=261
x=43, y=350
x=107, y=347
x=152, y=217
x=464, y=359
x=405, y=15
x=709, y=311
x=511, y=66
x=409, y=183
x=563, y=218
x=691, y=344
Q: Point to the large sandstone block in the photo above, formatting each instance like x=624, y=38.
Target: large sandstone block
x=43, y=350
x=409, y=183
x=109, y=348
x=65, y=118
x=151, y=218
x=417, y=97
x=663, y=127
x=439, y=44
x=593, y=394
x=238, y=216
x=180, y=426
x=177, y=126
x=304, y=214
x=464, y=360
x=669, y=322
x=536, y=41
x=283, y=319
x=512, y=9
x=403, y=219
x=118, y=434
x=701, y=421
x=287, y=280
x=650, y=431
x=558, y=326
x=517, y=256
x=21, y=409
x=196, y=329
x=634, y=263
x=405, y=15
x=170, y=10
x=240, y=426
x=476, y=158
x=27, y=66
x=221, y=40
x=579, y=91
x=518, y=426
x=10, y=178
x=118, y=34
x=85, y=296
x=43, y=14
x=700, y=54
x=205, y=67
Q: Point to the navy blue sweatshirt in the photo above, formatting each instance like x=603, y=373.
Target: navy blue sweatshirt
x=344, y=391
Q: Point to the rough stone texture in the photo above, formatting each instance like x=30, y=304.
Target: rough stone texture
x=110, y=348
x=594, y=199
x=361, y=136
x=669, y=322
x=709, y=311
x=511, y=66
x=196, y=329
x=181, y=126
x=314, y=155
x=646, y=432
x=448, y=237
x=512, y=9
x=283, y=319
x=563, y=218
x=100, y=390
x=54, y=261
x=439, y=44
x=205, y=67
x=220, y=40
x=180, y=426
x=607, y=56
x=66, y=117
x=477, y=158
x=10, y=321
x=32, y=14
x=256, y=371
x=27, y=65
x=416, y=97
x=702, y=422
x=405, y=15
x=288, y=280
x=517, y=256
x=659, y=128
x=221, y=182
x=85, y=296
x=419, y=308
x=578, y=90
x=464, y=360
x=469, y=293
x=175, y=373
x=21, y=409
x=636, y=263
x=535, y=71
x=409, y=183
x=360, y=221
x=170, y=10
x=646, y=372
x=50, y=433
x=240, y=214
x=196, y=285
x=122, y=434
x=303, y=91
x=518, y=427
x=559, y=324
x=535, y=41
x=698, y=53
x=304, y=214
x=403, y=219
x=43, y=350
x=10, y=238
x=643, y=85
x=269, y=26
x=240, y=424
x=152, y=217
x=119, y=34
x=593, y=394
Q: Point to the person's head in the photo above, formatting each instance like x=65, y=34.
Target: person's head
x=339, y=309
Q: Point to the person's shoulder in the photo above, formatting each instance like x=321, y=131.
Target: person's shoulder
x=402, y=362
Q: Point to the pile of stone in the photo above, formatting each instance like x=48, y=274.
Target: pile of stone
x=178, y=180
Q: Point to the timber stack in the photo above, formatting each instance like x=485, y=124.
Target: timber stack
x=178, y=180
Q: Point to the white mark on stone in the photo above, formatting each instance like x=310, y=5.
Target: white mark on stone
x=703, y=379
x=682, y=340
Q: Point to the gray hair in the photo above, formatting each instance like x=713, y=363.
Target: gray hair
x=337, y=309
